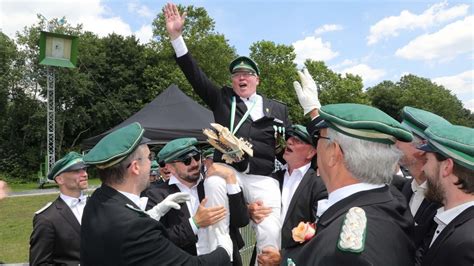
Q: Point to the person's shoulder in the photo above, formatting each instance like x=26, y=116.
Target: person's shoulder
x=278, y=103
x=44, y=208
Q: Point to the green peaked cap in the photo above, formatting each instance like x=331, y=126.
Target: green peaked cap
x=301, y=133
x=363, y=122
x=455, y=142
x=116, y=146
x=243, y=62
x=208, y=153
x=72, y=161
x=176, y=148
x=417, y=120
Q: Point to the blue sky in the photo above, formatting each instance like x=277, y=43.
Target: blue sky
x=379, y=40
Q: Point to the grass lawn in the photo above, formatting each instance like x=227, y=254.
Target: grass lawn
x=16, y=224
x=17, y=187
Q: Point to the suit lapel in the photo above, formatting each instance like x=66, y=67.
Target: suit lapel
x=67, y=214
x=299, y=191
x=174, y=189
x=407, y=191
x=267, y=107
x=420, y=212
x=466, y=215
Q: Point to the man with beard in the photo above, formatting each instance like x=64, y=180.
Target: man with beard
x=57, y=226
x=449, y=169
x=115, y=229
x=185, y=226
x=423, y=210
x=361, y=222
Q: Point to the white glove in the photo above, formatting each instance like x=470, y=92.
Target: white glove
x=308, y=94
x=172, y=201
x=223, y=240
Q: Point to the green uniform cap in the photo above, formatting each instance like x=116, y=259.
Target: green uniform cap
x=72, y=161
x=243, y=62
x=208, y=153
x=363, y=122
x=455, y=142
x=176, y=148
x=301, y=133
x=154, y=166
x=116, y=146
x=417, y=120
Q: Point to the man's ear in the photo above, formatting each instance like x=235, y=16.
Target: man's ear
x=447, y=167
x=334, y=154
x=59, y=179
x=257, y=80
x=311, y=153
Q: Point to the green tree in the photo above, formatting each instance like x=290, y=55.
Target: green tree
x=334, y=88
x=420, y=93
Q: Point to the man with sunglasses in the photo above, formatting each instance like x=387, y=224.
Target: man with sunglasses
x=449, y=169
x=115, y=228
x=185, y=226
x=56, y=227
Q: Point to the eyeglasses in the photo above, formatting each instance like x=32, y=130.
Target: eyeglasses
x=244, y=74
x=187, y=159
x=317, y=137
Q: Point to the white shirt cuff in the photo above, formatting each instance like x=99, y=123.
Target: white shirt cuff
x=233, y=189
x=179, y=46
x=314, y=117
x=193, y=226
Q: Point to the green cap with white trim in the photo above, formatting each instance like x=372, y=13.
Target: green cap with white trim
x=455, y=142
x=417, y=120
x=362, y=122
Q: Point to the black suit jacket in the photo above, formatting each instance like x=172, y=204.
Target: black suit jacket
x=455, y=244
x=177, y=221
x=424, y=222
x=56, y=236
x=114, y=234
x=303, y=204
x=388, y=235
x=259, y=133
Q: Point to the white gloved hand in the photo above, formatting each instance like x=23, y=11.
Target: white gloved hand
x=223, y=240
x=172, y=201
x=308, y=93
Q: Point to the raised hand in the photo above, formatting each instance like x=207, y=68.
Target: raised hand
x=307, y=92
x=174, y=20
x=208, y=216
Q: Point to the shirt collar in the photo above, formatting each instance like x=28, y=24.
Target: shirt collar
x=302, y=170
x=344, y=192
x=71, y=200
x=140, y=202
x=252, y=97
x=444, y=217
x=175, y=181
x=415, y=187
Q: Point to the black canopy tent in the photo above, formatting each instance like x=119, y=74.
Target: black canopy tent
x=171, y=115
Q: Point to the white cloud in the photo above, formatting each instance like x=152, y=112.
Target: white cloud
x=93, y=14
x=469, y=104
x=452, y=40
x=458, y=84
x=313, y=48
x=327, y=28
x=436, y=14
x=144, y=34
x=141, y=10
x=367, y=73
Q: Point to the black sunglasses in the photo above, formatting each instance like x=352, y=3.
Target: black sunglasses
x=187, y=158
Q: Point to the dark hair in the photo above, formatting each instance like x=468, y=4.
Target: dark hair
x=465, y=176
x=116, y=173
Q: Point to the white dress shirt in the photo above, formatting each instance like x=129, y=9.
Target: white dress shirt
x=140, y=202
x=290, y=184
x=257, y=110
x=342, y=193
x=444, y=217
x=418, y=196
x=75, y=204
x=192, y=204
